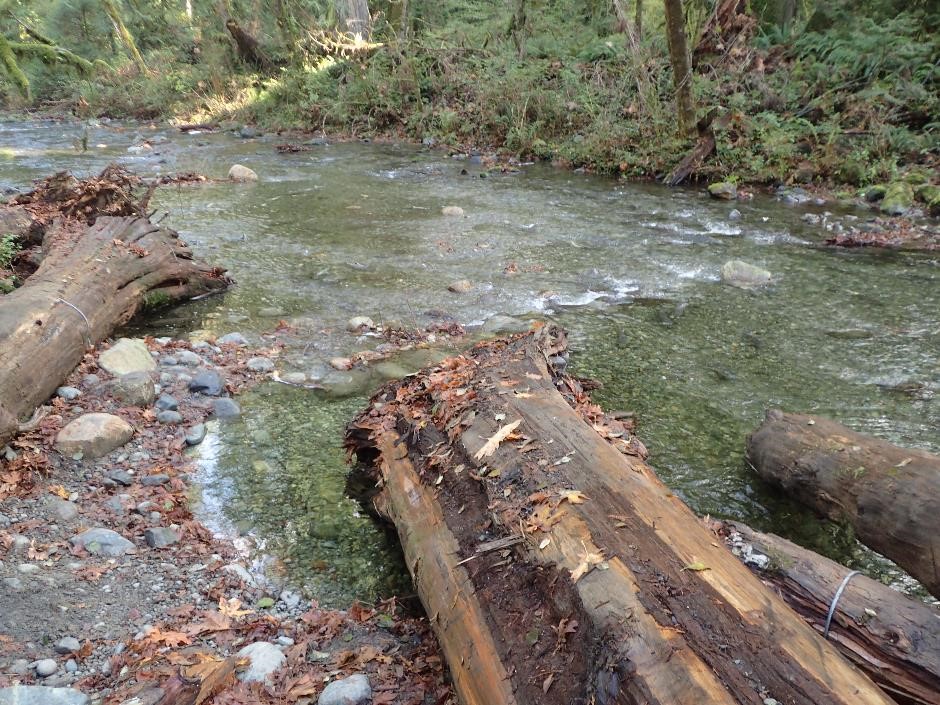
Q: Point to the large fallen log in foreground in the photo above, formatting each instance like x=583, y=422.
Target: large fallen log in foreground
x=894, y=639
x=90, y=279
x=555, y=567
x=890, y=495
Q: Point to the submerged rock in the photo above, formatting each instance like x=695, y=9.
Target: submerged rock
x=501, y=323
x=93, y=435
x=723, y=190
x=232, y=339
x=225, y=408
x=260, y=364
x=125, y=356
x=744, y=275
x=242, y=174
x=898, y=198
x=452, y=210
x=354, y=690
x=461, y=286
x=357, y=324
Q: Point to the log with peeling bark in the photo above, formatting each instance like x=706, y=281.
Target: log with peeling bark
x=554, y=565
x=890, y=495
x=100, y=261
x=893, y=638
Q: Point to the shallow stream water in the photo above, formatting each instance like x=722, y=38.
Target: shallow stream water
x=632, y=270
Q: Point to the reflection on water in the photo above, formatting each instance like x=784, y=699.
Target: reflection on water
x=631, y=270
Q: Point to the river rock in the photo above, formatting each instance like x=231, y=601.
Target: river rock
x=461, y=286
x=41, y=695
x=264, y=658
x=167, y=403
x=68, y=393
x=744, y=275
x=62, y=509
x=160, y=478
x=125, y=356
x=501, y=323
x=188, y=358
x=207, y=382
x=46, y=667
x=225, y=408
x=357, y=324
x=102, y=542
x=734, y=214
x=259, y=364
x=232, y=339
x=242, y=174
x=295, y=378
x=341, y=363
x=93, y=435
x=898, y=198
x=247, y=132
x=723, y=190
x=452, y=210
x=160, y=537
x=196, y=434
x=134, y=388
x=67, y=645
x=875, y=193
x=169, y=417
x=354, y=690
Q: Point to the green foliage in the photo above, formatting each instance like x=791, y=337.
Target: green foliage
x=9, y=247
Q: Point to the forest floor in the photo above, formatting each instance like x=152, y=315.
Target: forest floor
x=153, y=605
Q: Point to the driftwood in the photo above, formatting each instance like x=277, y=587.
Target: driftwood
x=95, y=271
x=894, y=639
x=696, y=157
x=604, y=587
x=890, y=495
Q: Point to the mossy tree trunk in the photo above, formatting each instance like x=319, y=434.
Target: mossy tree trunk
x=681, y=65
x=127, y=39
x=12, y=68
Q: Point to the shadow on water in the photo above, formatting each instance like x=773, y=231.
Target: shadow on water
x=632, y=270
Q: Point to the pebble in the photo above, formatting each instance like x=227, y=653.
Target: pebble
x=260, y=364
x=195, y=434
x=169, y=417
x=67, y=645
x=71, y=666
x=232, y=339
x=225, y=408
x=264, y=658
x=290, y=599
x=4, y=521
x=354, y=690
x=160, y=537
x=13, y=583
x=68, y=393
x=167, y=403
x=45, y=667
x=121, y=478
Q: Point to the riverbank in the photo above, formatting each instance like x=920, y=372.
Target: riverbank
x=114, y=589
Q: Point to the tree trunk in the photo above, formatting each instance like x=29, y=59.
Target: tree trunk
x=555, y=567
x=91, y=279
x=890, y=495
x=355, y=17
x=12, y=68
x=249, y=50
x=681, y=67
x=638, y=20
x=127, y=39
x=893, y=639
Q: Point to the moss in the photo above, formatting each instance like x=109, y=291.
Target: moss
x=52, y=55
x=155, y=299
x=12, y=69
x=898, y=198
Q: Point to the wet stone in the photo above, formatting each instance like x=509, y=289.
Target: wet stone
x=188, y=358
x=260, y=364
x=196, y=434
x=167, y=403
x=232, y=339
x=207, y=382
x=225, y=408
x=169, y=417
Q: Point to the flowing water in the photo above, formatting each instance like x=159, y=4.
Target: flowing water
x=631, y=270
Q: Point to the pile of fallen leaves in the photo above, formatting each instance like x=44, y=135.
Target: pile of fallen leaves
x=893, y=234
x=115, y=192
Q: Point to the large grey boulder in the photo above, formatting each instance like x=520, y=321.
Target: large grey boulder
x=354, y=690
x=125, y=356
x=41, y=695
x=93, y=435
x=242, y=173
x=744, y=275
x=102, y=542
x=134, y=388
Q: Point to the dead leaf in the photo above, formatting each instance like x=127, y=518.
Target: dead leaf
x=697, y=566
x=493, y=443
x=232, y=607
x=589, y=559
x=214, y=676
x=573, y=496
x=547, y=683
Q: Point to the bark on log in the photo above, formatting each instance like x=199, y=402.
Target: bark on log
x=895, y=640
x=555, y=567
x=890, y=495
x=91, y=279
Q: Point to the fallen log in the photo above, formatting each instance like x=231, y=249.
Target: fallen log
x=892, y=638
x=553, y=564
x=95, y=272
x=890, y=495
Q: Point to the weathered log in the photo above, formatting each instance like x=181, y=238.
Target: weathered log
x=890, y=495
x=554, y=565
x=91, y=279
x=894, y=639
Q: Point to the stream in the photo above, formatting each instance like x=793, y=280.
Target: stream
x=631, y=270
